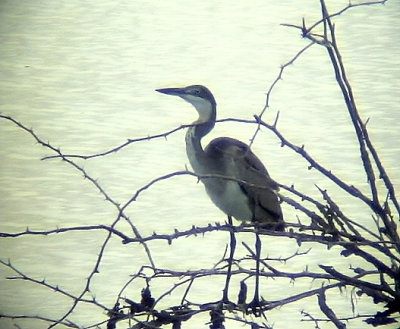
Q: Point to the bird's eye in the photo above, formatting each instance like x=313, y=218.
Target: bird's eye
x=196, y=91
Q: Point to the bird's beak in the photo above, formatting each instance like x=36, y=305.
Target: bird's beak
x=172, y=91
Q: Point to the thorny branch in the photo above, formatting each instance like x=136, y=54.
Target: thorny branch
x=319, y=222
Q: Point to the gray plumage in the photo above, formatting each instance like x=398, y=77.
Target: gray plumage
x=243, y=188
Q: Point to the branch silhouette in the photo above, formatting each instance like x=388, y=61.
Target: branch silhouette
x=319, y=223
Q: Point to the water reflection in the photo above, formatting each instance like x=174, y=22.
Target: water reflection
x=83, y=77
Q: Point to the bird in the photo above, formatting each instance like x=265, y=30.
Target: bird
x=235, y=179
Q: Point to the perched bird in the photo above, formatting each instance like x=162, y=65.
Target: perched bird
x=242, y=187
x=235, y=179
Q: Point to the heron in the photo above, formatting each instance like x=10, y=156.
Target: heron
x=235, y=179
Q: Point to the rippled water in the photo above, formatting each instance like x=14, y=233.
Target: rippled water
x=83, y=74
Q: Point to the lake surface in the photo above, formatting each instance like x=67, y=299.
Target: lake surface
x=82, y=75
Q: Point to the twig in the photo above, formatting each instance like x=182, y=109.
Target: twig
x=277, y=79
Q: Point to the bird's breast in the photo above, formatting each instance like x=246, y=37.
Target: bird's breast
x=225, y=193
x=229, y=197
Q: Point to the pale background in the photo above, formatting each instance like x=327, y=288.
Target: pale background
x=82, y=74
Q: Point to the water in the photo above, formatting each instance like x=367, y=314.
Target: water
x=83, y=74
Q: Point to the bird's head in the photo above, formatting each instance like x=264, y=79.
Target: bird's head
x=199, y=96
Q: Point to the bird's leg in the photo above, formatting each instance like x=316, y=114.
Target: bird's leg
x=254, y=305
x=225, y=298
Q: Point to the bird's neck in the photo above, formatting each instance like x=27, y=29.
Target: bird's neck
x=195, y=133
x=194, y=149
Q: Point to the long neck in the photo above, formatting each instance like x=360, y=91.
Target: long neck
x=194, y=150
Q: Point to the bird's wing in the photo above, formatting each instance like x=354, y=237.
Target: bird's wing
x=243, y=161
x=244, y=165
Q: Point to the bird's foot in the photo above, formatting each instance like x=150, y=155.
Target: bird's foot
x=226, y=302
x=255, y=307
x=228, y=305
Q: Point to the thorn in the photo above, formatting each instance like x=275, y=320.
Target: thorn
x=276, y=119
x=298, y=242
x=304, y=31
